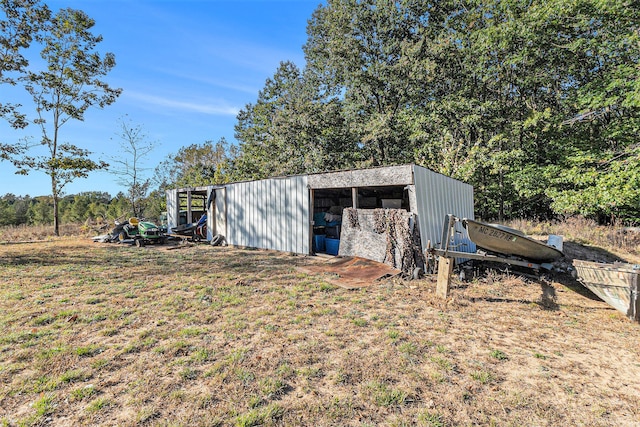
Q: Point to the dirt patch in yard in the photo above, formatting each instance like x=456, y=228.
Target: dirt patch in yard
x=99, y=334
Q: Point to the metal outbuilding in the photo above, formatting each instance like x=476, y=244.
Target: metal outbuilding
x=281, y=213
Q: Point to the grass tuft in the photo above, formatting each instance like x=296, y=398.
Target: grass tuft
x=259, y=416
x=98, y=404
x=497, y=354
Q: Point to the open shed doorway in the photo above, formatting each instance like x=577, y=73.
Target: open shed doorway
x=328, y=206
x=192, y=204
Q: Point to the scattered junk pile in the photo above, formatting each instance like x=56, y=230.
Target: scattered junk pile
x=618, y=284
x=194, y=231
x=134, y=231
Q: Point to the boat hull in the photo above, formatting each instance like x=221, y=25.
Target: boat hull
x=507, y=241
x=616, y=284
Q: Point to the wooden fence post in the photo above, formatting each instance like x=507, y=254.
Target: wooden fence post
x=445, y=269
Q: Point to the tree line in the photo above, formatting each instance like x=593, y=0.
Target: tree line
x=27, y=210
x=534, y=103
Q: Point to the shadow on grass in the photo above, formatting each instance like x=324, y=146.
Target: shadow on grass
x=563, y=274
x=194, y=260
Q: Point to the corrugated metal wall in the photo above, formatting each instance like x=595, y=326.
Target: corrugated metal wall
x=269, y=214
x=172, y=208
x=436, y=196
x=220, y=214
x=211, y=216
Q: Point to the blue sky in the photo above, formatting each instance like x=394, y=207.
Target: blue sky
x=186, y=68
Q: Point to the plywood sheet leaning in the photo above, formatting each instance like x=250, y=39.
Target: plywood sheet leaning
x=389, y=236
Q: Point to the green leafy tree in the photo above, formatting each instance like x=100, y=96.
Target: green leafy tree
x=84, y=206
x=155, y=205
x=292, y=129
x=41, y=210
x=372, y=55
x=536, y=104
x=599, y=174
x=64, y=91
x=119, y=208
x=13, y=209
x=20, y=22
x=195, y=165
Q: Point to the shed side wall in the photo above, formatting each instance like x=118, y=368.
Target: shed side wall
x=269, y=214
x=172, y=208
x=436, y=196
x=221, y=211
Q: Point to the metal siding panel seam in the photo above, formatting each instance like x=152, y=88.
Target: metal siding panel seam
x=297, y=218
x=238, y=215
x=250, y=205
x=280, y=188
x=304, y=226
x=294, y=221
x=270, y=237
x=246, y=195
x=237, y=202
x=266, y=232
x=283, y=238
x=240, y=200
x=230, y=225
x=291, y=229
x=256, y=235
x=266, y=220
x=276, y=212
x=306, y=217
x=290, y=223
x=284, y=231
x=284, y=234
x=260, y=212
x=301, y=219
x=231, y=220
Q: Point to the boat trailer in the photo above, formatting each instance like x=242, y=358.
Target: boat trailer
x=447, y=254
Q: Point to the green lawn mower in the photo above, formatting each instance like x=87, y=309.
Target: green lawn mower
x=141, y=233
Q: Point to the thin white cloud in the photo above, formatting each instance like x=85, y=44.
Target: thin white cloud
x=214, y=108
x=221, y=83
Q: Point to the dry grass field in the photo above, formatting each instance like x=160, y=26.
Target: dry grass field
x=108, y=334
